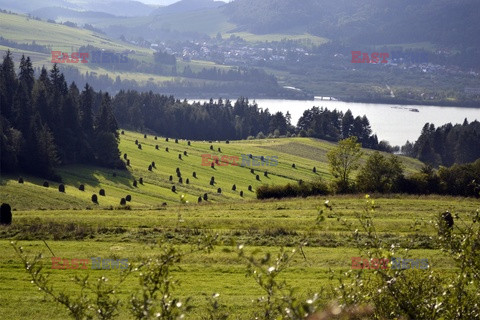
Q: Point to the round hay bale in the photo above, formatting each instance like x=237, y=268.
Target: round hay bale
x=5, y=214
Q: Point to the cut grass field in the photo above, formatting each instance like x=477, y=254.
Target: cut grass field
x=260, y=225
x=305, y=153
x=74, y=227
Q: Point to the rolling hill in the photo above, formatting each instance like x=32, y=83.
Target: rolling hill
x=156, y=188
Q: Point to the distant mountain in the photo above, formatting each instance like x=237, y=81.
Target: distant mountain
x=63, y=14
x=29, y=6
x=124, y=8
x=187, y=6
x=121, y=8
x=445, y=22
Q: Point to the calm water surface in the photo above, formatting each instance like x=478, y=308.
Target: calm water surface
x=394, y=123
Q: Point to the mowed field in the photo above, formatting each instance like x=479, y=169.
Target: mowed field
x=74, y=227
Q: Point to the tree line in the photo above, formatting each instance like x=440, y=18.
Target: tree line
x=381, y=174
x=45, y=122
x=447, y=144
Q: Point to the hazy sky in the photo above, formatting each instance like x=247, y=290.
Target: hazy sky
x=167, y=2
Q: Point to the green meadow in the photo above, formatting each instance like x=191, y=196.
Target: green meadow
x=75, y=228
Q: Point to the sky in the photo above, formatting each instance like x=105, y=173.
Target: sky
x=166, y=2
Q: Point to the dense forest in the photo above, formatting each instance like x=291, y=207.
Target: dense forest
x=223, y=120
x=45, y=122
x=447, y=144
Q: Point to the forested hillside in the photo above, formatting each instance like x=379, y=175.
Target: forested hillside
x=453, y=24
x=45, y=122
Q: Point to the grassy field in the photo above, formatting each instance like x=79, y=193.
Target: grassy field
x=74, y=227
x=306, y=39
x=305, y=153
x=130, y=234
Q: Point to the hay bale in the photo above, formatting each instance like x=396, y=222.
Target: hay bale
x=5, y=214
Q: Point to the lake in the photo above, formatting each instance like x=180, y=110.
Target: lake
x=394, y=123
